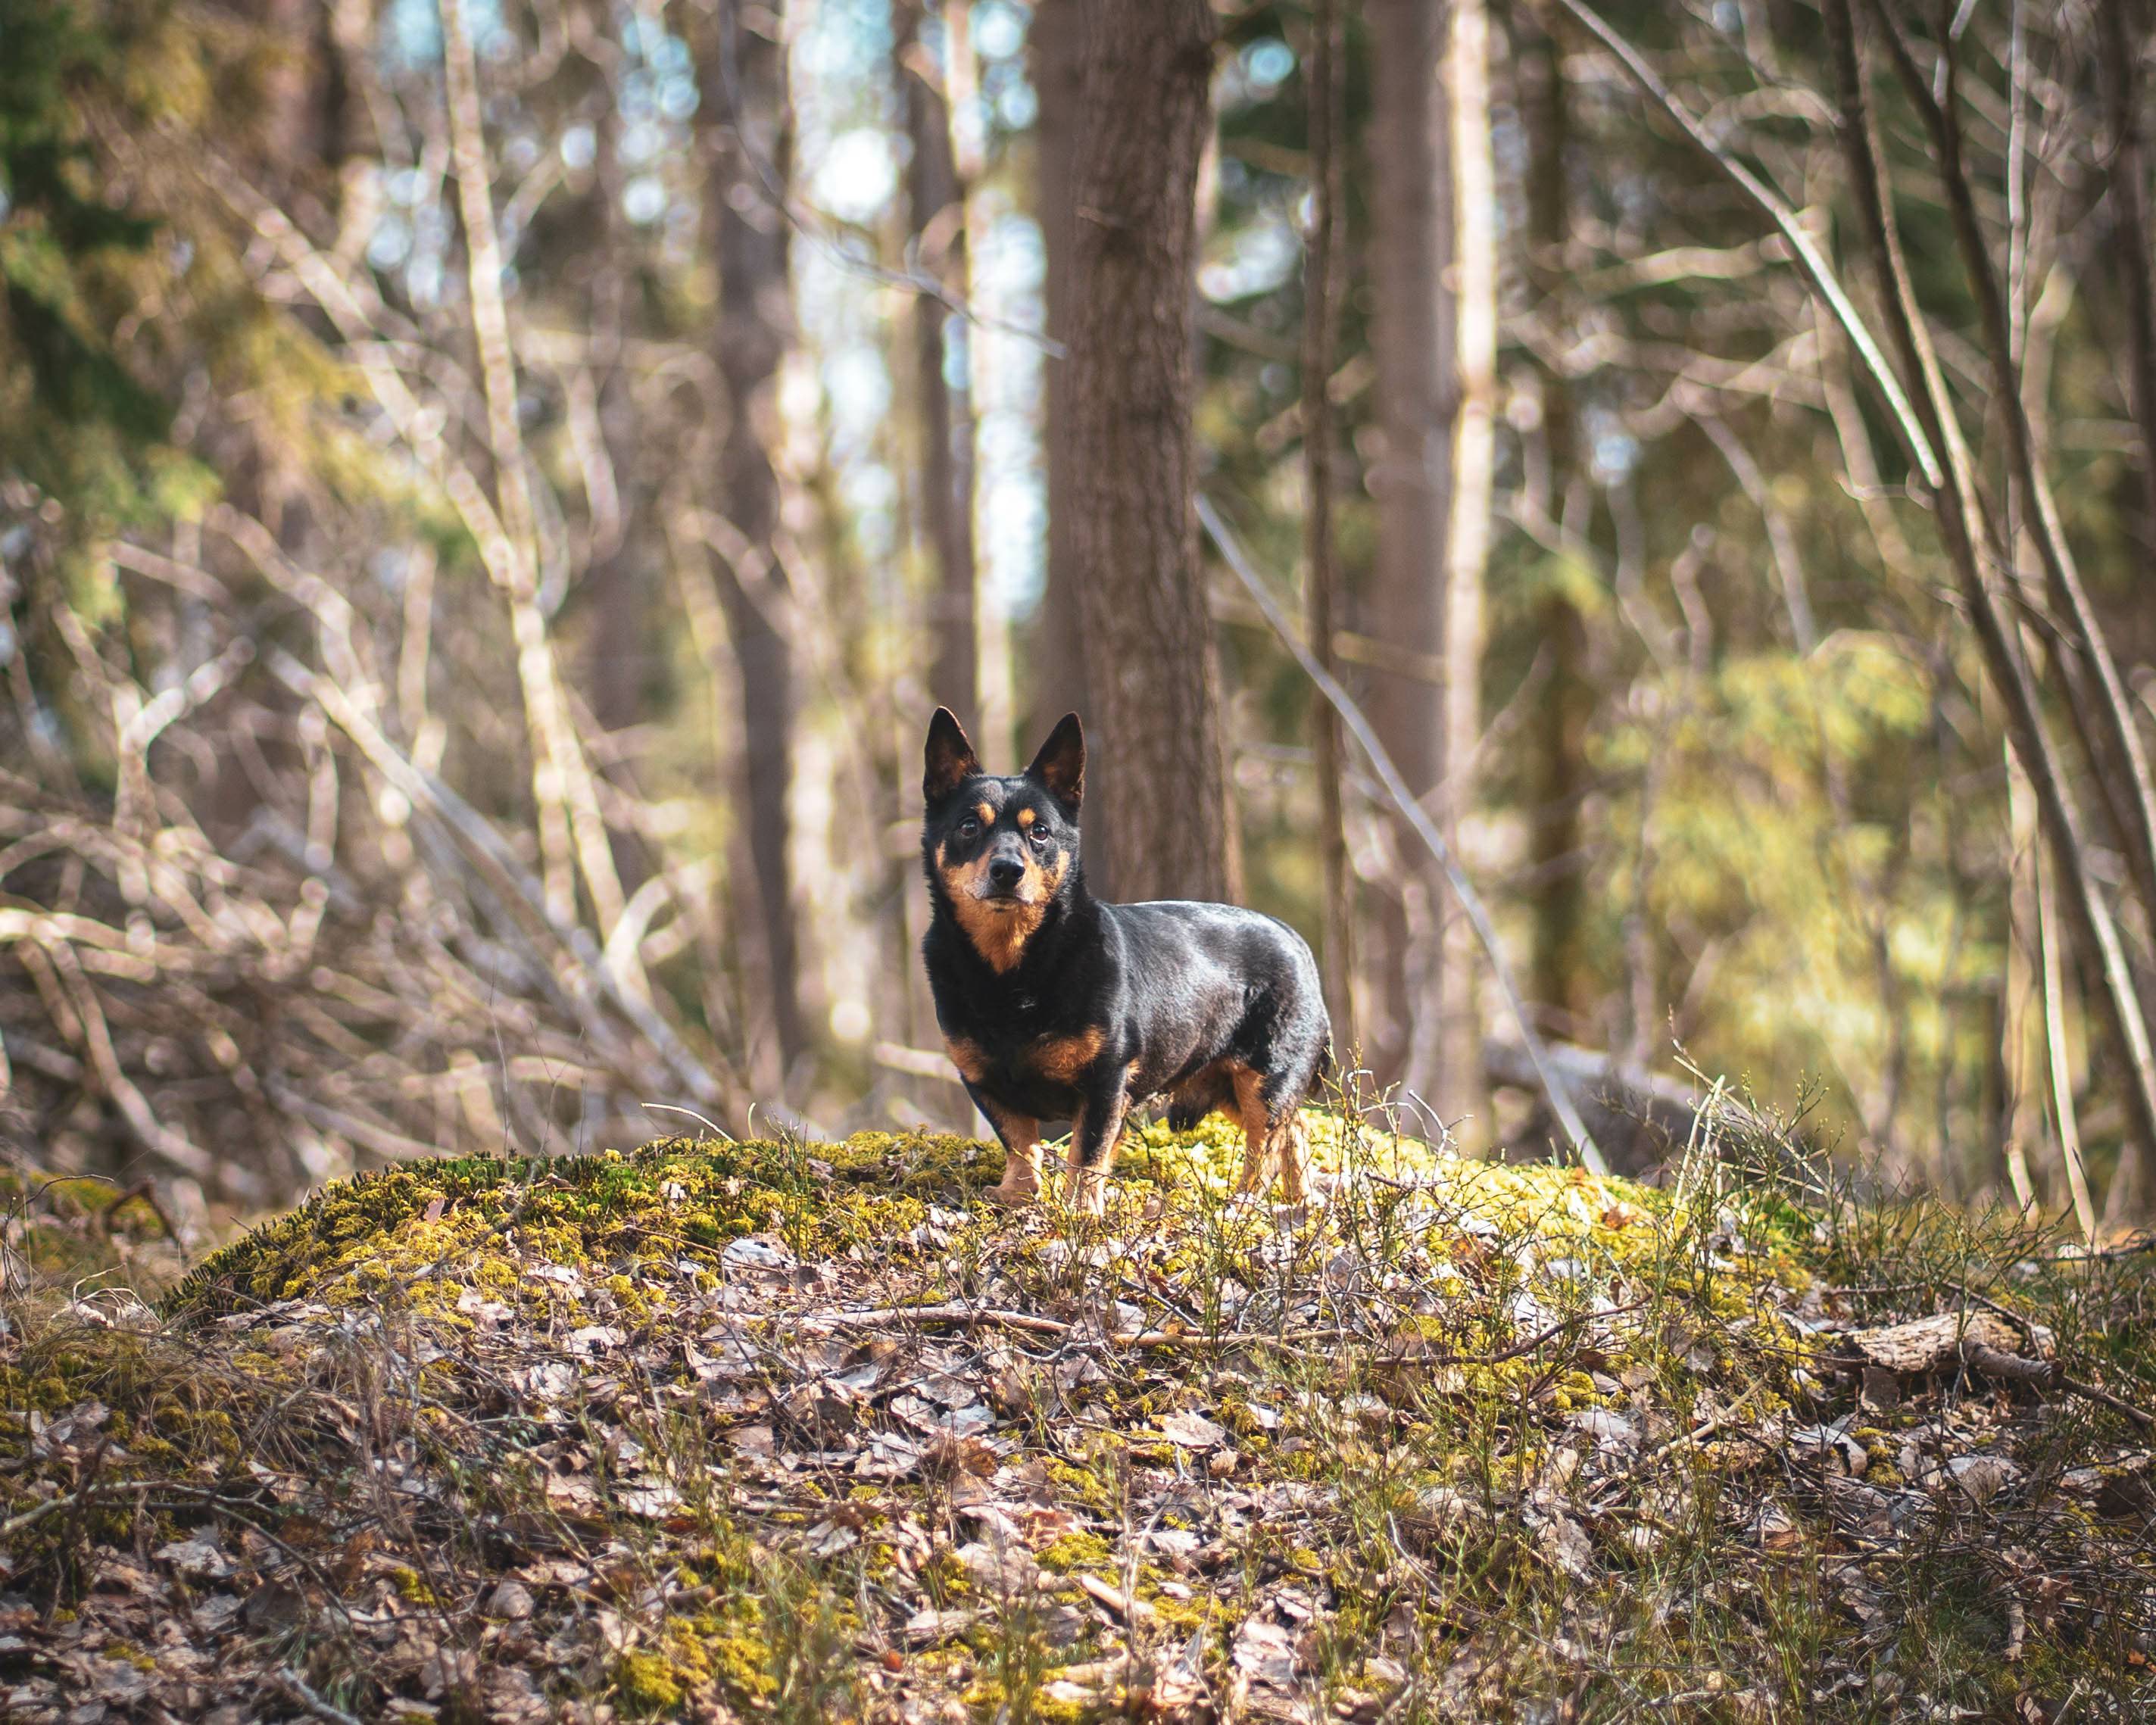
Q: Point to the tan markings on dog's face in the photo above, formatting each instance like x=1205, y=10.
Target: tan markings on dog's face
x=1063, y=1060
x=1026, y=817
x=999, y=928
x=986, y=811
x=966, y=1056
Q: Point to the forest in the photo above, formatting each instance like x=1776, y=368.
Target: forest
x=1629, y=528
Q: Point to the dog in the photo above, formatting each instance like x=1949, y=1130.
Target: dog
x=1054, y=1005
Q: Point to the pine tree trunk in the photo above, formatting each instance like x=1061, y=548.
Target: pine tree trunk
x=1428, y=155
x=1459, y=1080
x=751, y=146
x=936, y=229
x=1323, y=272
x=620, y=644
x=1157, y=768
x=1057, y=663
x=1412, y=343
x=1558, y=769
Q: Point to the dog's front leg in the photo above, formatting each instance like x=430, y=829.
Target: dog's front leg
x=1021, y=1139
x=1096, y=1129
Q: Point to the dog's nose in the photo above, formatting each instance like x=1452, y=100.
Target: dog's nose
x=1005, y=872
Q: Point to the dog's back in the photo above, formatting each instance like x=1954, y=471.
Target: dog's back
x=1209, y=985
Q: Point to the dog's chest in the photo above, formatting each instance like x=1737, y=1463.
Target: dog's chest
x=1022, y=1061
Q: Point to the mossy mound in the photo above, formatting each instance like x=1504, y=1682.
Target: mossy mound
x=774, y=1430
x=671, y=1198
x=677, y=1196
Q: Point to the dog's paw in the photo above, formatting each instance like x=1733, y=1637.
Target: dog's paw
x=1012, y=1194
x=1086, y=1193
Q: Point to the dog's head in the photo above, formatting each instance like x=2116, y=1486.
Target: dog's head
x=999, y=851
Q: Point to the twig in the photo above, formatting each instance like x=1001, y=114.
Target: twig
x=313, y=1703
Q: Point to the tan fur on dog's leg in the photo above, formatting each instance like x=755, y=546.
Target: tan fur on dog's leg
x=1257, y=1146
x=1021, y=1180
x=1294, y=1140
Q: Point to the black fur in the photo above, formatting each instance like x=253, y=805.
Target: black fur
x=1098, y=1006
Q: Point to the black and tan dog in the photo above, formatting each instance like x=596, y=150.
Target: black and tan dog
x=1056, y=1006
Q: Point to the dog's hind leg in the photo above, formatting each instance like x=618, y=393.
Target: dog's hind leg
x=1292, y=1137
x=1272, y=1125
x=1250, y=1111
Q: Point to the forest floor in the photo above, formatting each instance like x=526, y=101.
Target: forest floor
x=808, y=1432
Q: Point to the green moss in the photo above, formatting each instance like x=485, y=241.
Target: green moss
x=411, y=1585
x=647, y=1684
x=428, y=1230
x=1079, y=1551
x=1081, y=1484
x=989, y=1699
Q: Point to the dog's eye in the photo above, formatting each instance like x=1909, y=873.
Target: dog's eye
x=1040, y=837
x=969, y=826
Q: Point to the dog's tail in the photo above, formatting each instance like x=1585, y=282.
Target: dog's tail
x=1321, y=1075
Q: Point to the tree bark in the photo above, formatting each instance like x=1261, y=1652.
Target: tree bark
x=621, y=645
x=1058, y=666
x=1412, y=344
x=1459, y=1076
x=936, y=226
x=2020, y=1024
x=1160, y=772
x=1558, y=769
x=1325, y=94
x=753, y=145
x=1434, y=337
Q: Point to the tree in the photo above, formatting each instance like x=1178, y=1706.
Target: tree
x=1151, y=666
x=1325, y=86
x=1058, y=43
x=1431, y=341
x=937, y=236
x=1556, y=769
x=750, y=144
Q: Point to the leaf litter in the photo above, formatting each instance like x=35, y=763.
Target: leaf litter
x=777, y=1430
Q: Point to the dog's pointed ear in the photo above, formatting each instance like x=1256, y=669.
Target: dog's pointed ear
x=950, y=757
x=1059, y=768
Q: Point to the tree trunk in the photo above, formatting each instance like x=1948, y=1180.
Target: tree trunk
x=621, y=645
x=1412, y=344
x=937, y=229
x=1433, y=336
x=752, y=143
x=1157, y=766
x=2121, y=61
x=1459, y=1076
x=1558, y=773
x=1058, y=660
x=1325, y=94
